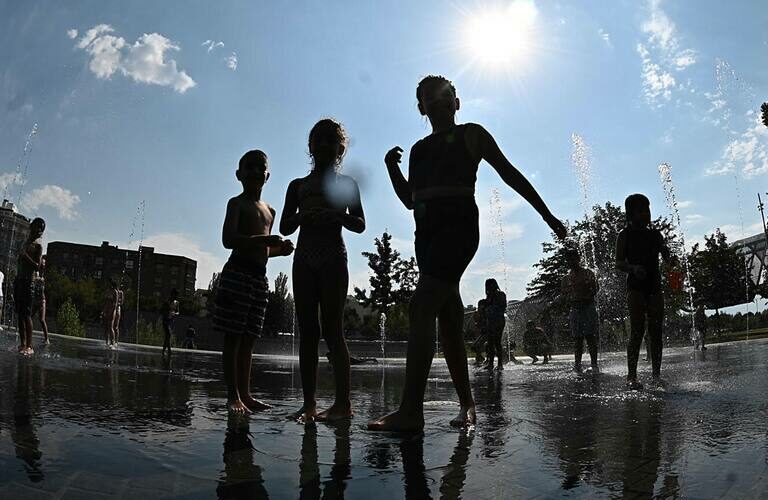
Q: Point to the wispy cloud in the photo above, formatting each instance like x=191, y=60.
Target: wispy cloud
x=605, y=36
x=212, y=45
x=72, y=34
x=144, y=61
x=231, y=61
x=56, y=197
x=662, y=56
x=748, y=153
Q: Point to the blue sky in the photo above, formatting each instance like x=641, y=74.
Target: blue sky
x=156, y=101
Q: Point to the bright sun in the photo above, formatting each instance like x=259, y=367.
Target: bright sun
x=498, y=37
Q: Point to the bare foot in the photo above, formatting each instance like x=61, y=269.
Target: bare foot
x=254, y=404
x=398, y=422
x=304, y=415
x=466, y=417
x=237, y=407
x=335, y=413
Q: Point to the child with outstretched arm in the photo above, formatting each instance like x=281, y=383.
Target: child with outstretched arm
x=241, y=298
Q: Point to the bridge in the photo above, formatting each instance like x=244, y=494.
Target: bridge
x=754, y=251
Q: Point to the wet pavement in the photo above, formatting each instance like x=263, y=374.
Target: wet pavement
x=78, y=421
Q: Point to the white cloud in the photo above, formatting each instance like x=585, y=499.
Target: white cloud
x=143, y=61
x=72, y=34
x=735, y=232
x=693, y=218
x=747, y=153
x=605, y=36
x=231, y=61
x=684, y=204
x=212, y=44
x=661, y=56
x=59, y=198
x=184, y=245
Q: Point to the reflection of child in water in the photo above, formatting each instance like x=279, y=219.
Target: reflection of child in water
x=321, y=204
x=440, y=190
x=638, y=247
x=580, y=287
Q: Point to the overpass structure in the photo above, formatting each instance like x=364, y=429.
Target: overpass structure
x=753, y=249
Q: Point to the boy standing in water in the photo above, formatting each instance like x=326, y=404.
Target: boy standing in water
x=638, y=247
x=168, y=312
x=440, y=190
x=28, y=263
x=580, y=288
x=241, y=299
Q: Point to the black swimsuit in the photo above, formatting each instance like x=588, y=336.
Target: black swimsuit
x=447, y=224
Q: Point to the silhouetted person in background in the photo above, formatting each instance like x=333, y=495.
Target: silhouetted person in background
x=241, y=298
x=168, y=313
x=638, y=247
x=580, y=288
x=118, y=311
x=189, y=338
x=38, y=298
x=108, y=313
x=700, y=319
x=320, y=205
x=536, y=343
x=480, y=345
x=28, y=263
x=440, y=190
x=495, y=311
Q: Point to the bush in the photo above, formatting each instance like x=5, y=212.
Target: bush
x=151, y=333
x=68, y=320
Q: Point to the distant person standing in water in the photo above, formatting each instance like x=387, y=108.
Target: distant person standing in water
x=535, y=343
x=496, y=312
x=440, y=190
x=638, y=247
x=320, y=205
x=700, y=319
x=580, y=288
x=118, y=311
x=168, y=313
x=480, y=344
x=38, y=298
x=108, y=312
x=30, y=255
x=243, y=292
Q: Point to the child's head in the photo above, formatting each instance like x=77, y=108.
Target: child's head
x=491, y=285
x=36, y=228
x=638, y=209
x=327, y=144
x=253, y=169
x=437, y=97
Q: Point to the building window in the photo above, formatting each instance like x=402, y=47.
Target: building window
x=129, y=264
x=98, y=274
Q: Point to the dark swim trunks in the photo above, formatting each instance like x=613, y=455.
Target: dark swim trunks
x=22, y=297
x=447, y=236
x=241, y=299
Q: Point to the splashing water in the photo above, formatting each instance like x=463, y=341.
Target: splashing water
x=140, y=215
x=383, y=334
x=670, y=197
x=497, y=232
x=22, y=168
x=740, y=211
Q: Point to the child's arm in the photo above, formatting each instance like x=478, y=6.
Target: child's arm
x=291, y=218
x=233, y=240
x=285, y=247
x=402, y=189
x=622, y=264
x=36, y=254
x=486, y=148
x=355, y=219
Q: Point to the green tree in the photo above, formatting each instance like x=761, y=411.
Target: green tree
x=68, y=320
x=719, y=274
x=393, y=279
x=279, y=314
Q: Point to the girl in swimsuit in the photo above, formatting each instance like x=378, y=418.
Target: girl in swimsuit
x=321, y=204
x=440, y=190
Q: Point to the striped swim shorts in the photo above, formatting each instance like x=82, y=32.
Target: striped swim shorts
x=241, y=299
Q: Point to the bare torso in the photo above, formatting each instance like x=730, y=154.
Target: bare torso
x=255, y=218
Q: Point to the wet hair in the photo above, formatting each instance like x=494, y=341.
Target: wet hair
x=493, y=283
x=635, y=202
x=430, y=81
x=341, y=136
x=38, y=223
x=253, y=156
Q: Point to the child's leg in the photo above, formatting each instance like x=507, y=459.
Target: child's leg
x=637, y=307
x=451, y=322
x=306, y=300
x=498, y=348
x=229, y=359
x=22, y=332
x=592, y=345
x=28, y=332
x=490, y=350
x=426, y=300
x=167, y=337
x=44, y=323
x=333, y=295
x=243, y=363
x=578, y=351
x=655, y=326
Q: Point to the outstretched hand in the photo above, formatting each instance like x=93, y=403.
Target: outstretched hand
x=393, y=157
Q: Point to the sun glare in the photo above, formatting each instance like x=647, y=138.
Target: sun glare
x=497, y=37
